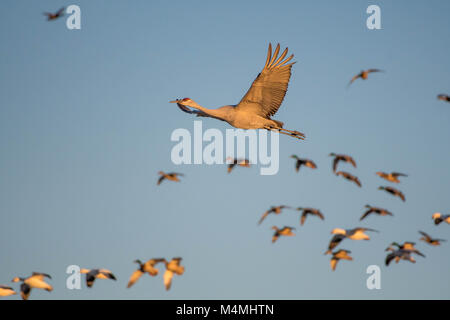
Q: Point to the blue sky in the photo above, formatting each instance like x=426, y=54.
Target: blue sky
x=85, y=126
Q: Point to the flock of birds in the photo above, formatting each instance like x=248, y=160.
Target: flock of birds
x=254, y=111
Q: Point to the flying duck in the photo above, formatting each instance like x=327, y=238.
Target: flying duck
x=376, y=210
x=394, y=192
x=428, y=239
x=398, y=255
x=392, y=177
x=240, y=162
x=438, y=218
x=310, y=211
x=341, y=157
x=285, y=231
x=36, y=280
x=363, y=75
x=172, y=176
x=338, y=255
x=407, y=246
x=147, y=267
x=173, y=266
x=354, y=234
x=6, y=291
x=274, y=210
x=443, y=97
x=92, y=274
x=53, y=16
x=349, y=177
x=303, y=162
x=337, y=238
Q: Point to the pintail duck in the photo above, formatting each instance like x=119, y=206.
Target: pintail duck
x=172, y=267
x=341, y=157
x=36, y=280
x=339, y=255
x=394, y=192
x=443, y=97
x=309, y=211
x=240, y=162
x=285, y=231
x=147, y=267
x=364, y=74
x=349, y=177
x=172, y=176
x=438, y=218
x=6, y=291
x=428, y=239
x=303, y=162
x=53, y=16
x=392, y=177
x=274, y=210
x=92, y=274
x=376, y=210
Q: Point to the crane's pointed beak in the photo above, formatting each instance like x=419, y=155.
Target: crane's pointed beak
x=174, y=101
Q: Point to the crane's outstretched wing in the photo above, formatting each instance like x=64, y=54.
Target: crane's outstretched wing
x=269, y=88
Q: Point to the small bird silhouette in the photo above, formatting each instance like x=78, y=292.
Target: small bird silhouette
x=147, y=267
x=285, y=231
x=363, y=75
x=274, y=210
x=443, y=97
x=171, y=176
x=240, y=162
x=432, y=241
x=339, y=255
x=394, y=192
x=392, y=177
x=376, y=210
x=341, y=157
x=53, y=16
x=309, y=211
x=349, y=177
x=438, y=218
x=303, y=162
x=172, y=267
x=92, y=274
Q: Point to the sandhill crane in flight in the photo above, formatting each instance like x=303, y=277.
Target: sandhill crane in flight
x=428, y=239
x=261, y=101
x=398, y=255
x=240, y=162
x=364, y=74
x=443, y=97
x=53, y=16
x=341, y=157
x=303, y=162
x=391, y=177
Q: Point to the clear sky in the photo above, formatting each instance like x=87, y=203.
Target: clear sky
x=85, y=127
